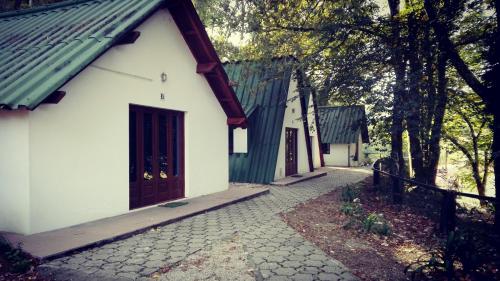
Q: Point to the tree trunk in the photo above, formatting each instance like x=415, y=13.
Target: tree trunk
x=496, y=166
x=442, y=99
x=399, y=66
x=431, y=95
x=413, y=101
x=487, y=91
x=492, y=78
x=397, y=130
x=477, y=178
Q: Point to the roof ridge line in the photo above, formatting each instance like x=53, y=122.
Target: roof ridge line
x=43, y=8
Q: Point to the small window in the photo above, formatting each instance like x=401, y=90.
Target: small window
x=231, y=140
x=325, y=148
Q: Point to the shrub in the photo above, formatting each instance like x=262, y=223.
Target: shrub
x=18, y=261
x=376, y=224
x=348, y=194
x=351, y=209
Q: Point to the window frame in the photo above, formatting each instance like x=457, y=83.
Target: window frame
x=325, y=148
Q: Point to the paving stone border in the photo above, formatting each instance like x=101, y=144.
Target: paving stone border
x=277, y=251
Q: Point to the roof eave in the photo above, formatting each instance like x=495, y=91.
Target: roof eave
x=196, y=37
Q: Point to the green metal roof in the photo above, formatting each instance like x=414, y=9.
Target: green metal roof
x=262, y=89
x=42, y=48
x=342, y=124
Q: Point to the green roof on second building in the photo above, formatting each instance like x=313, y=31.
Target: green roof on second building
x=342, y=124
x=262, y=89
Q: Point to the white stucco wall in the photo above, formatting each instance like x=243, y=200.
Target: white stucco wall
x=14, y=171
x=338, y=154
x=79, y=147
x=313, y=133
x=292, y=119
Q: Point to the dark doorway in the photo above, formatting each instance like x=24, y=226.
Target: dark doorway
x=291, y=152
x=156, y=155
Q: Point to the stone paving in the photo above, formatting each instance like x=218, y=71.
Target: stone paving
x=275, y=250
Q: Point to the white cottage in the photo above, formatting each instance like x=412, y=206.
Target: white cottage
x=281, y=139
x=108, y=106
x=344, y=132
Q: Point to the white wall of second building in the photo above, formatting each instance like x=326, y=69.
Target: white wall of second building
x=338, y=155
x=14, y=171
x=292, y=119
x=79, y=147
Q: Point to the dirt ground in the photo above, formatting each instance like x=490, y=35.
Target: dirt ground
x=369, y=256
x=225, y=260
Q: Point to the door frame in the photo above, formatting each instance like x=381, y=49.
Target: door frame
x=163, y=189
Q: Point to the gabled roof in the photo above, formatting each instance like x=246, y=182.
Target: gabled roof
x=262, y=88
x=342, y=124
x=43, y=48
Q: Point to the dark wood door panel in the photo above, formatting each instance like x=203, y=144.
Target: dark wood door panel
x=156, y=161
x=291, y=151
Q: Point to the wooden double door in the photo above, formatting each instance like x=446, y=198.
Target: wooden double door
x=156, y=155
x=291, y=149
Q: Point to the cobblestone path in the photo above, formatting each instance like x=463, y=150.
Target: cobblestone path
x=274, y=250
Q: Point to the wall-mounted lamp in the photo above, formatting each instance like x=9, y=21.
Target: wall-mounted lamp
x=163, y=77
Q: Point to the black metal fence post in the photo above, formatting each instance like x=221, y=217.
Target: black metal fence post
x=397, y=190
x=448, y=218
x=448, y=212
x=376, y=174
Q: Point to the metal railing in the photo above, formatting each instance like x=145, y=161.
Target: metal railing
x=447, y=220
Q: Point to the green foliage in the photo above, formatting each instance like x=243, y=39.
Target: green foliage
x=376, y=223
x=352, y=209
x=343, y=64
x=346, y=49
x=467, y=133
x=18, y=261
x=348, y=193
x=355, y=214
x=358, y=219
